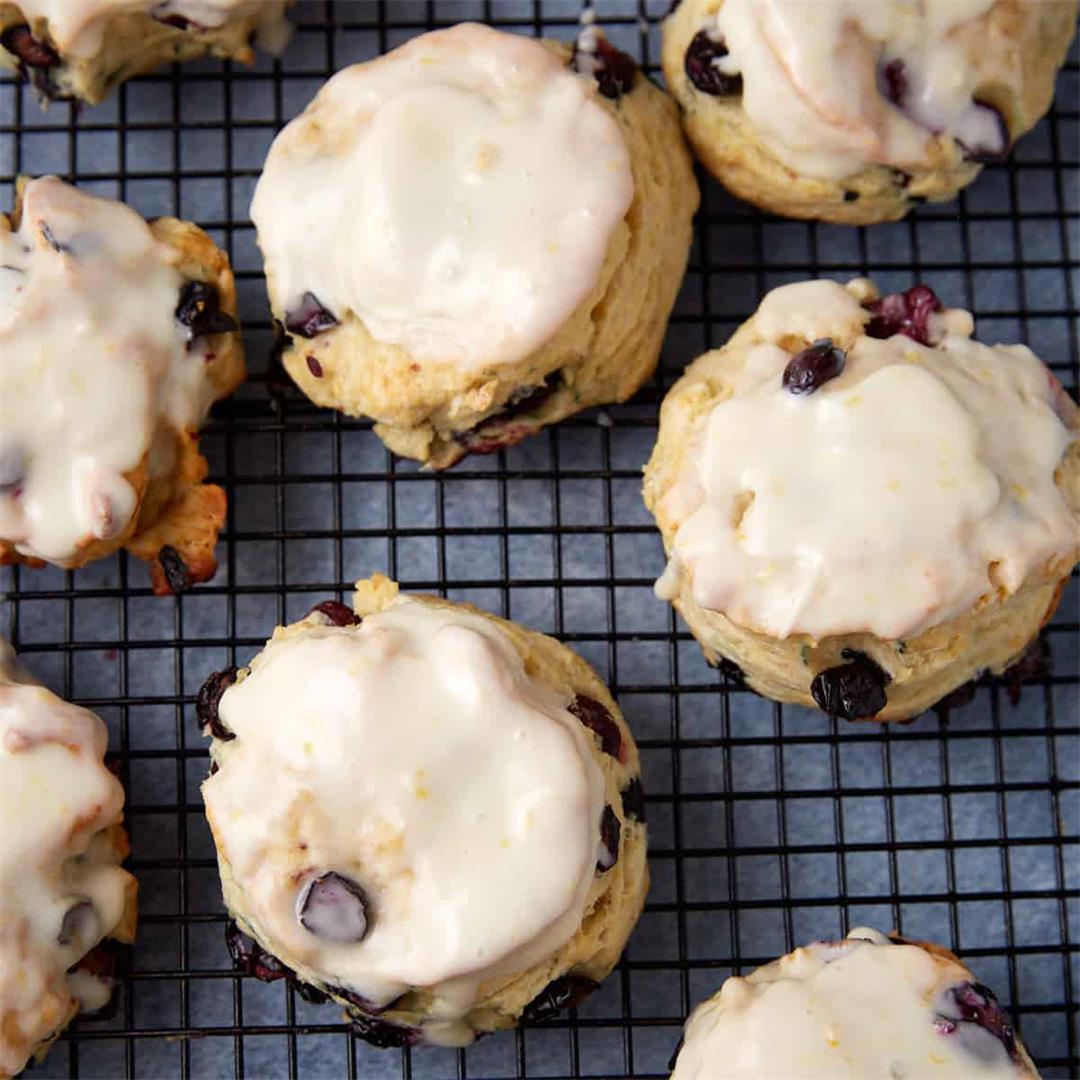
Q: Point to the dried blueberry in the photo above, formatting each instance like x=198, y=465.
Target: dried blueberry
x=851, y=196
x=1036, y=663
x=703, y=70
x=977, y=1004
x=19, y=41
x=80, y=925
x=597, y=719
x=614, y=71
x=610, y=834
x=810, y=369
x=209, y=698
x=177, y=574
x=338, y=613
x=199, y=309
x=893, y=81
x=729, y=669
x=906, y=313
x=633, y=800
x=853, y=690
x=12, y=468
x=384, y=1035
x=314, y=366
x=250, y=958
x=310, y=318
x=334, y=908
x=565, y=992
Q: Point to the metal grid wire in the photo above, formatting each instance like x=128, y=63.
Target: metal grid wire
x=769, y=825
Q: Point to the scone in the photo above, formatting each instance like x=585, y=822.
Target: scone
x=83, y=49
x=427, y=813
x=853, y=112
x=476, y=235
x=63, y=893
x=116, y=337
x=863, y=507
x=868, y=1007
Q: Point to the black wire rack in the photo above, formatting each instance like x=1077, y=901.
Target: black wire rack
x=769, y=825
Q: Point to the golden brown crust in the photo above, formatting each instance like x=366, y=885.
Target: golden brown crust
x=1036, y=34
x=176, y=510
x=607, y=348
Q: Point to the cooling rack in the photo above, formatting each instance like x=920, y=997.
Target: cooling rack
x=769, y=825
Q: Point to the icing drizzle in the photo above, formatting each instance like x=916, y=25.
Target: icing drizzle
x=458, y=194
x=892, y=498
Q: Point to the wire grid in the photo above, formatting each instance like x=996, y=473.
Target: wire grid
x=770, y=825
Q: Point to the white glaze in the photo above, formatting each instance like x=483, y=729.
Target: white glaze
x=881, y=500
x=862, y=1008
x=413, y=755
x=810, y=83
x=93, y=368
x=458, y=195
x=78, y=27
x=56, y=797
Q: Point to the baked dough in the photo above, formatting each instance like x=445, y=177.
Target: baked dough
x=83, y=49
x=863, y=507
x=427, y=813
x=116, y=337
x=869, y=1006
x=863, y=111
x=63, y=893
x=467, y=239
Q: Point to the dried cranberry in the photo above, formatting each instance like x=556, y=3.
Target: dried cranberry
x=565, y=992
x=493, y=432
x=199, y=309
x=334, y=908
x=310, y=318
x=614, y=71
x=1036, y=663
x=80, y=925
x=906, y=313
x=12, y=468
x=177, y=574
x=208, y=699
x=18, y=40
x=314, y=366
x=729, y=669
x=853, y=690
x=357, y=1001
x=384, y=1035
x=610, y=834
x=703, y=70
x=997, y=149
x=810, y=369
x=311, y=994
x=338, y=613
x=977, y=1004
x=893, y=81
x=597, y=719
x=633, y=800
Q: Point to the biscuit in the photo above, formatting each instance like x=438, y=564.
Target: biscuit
x=868, y=1006
x=863, y=507
x=63, y=893
x=468, y=239
x=429, y=814
x=859, y=113
x=116, y=337
x=83, y=49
